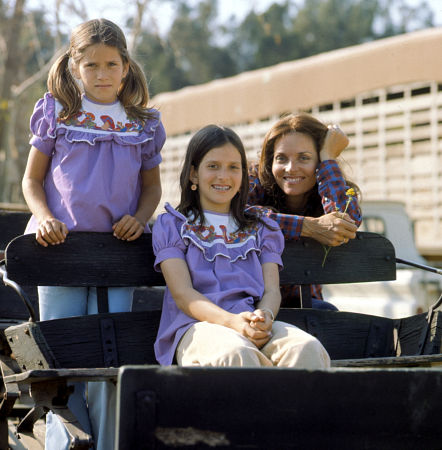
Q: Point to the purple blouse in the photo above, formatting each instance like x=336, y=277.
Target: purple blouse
x=96, y=159
x=225, y=265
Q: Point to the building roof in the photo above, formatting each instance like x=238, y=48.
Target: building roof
x=301, y=84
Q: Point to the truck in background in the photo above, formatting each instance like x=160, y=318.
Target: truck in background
x=414, y=290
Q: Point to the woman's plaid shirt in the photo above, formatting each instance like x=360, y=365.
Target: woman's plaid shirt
x=332, y=190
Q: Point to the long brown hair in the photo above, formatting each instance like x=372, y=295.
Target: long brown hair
x=133, y=92
x=204, y=140
x=274, y=196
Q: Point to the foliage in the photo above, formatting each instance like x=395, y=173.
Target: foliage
x=196, y=49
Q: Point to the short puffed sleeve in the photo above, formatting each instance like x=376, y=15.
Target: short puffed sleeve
x=150, y=152
x=271, y=242
x=167, y=242
x=43, y=123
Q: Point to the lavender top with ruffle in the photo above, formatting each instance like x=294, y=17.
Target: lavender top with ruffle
x=225, y=265
x=96, y=159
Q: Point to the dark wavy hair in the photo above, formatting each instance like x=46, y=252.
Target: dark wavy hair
x=133, y=92
x=202, y=142
x=274, y=196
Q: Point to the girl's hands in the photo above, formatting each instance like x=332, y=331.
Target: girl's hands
x=128, y=228
x=261, y=320
x=245, y=323
x=335, y=141
x=51, y=231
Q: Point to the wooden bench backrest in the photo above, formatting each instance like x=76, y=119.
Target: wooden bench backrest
x=99, y=259
x=12, y=224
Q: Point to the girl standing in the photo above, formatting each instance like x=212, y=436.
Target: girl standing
x=93, y=166
x=300, y=181
x=221, y=266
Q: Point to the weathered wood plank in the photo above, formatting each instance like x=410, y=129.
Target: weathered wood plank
x=416, y=337
x=367, y=258
x=77, y=342
x=335, y=409
x=345, y=335
x=397, y=361
x=35, y=376
x=11, y=305
x=84, y=259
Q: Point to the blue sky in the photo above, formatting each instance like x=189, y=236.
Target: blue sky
x=121, y=9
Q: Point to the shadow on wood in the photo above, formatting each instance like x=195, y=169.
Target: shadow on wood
x=278, y=408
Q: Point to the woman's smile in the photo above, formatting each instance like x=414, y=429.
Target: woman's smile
x=294, y=165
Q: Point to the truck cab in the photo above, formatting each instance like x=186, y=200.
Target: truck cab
x=414, y=290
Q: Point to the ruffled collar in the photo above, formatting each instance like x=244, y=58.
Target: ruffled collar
x=91, y=133
x=218, y=237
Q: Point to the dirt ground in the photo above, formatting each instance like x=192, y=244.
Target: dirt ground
x=25, y=443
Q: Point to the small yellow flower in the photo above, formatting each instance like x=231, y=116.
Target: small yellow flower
x=350, y=193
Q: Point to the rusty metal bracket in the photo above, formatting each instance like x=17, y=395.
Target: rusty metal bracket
x=109, y=343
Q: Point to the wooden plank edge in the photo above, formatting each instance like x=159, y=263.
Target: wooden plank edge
x=393, y=361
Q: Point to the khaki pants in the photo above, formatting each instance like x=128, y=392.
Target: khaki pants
x=207, y=344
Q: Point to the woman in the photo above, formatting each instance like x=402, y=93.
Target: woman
x=301, y=184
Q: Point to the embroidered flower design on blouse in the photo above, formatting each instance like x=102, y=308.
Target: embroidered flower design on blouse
x=208, y=233
x=84, y=119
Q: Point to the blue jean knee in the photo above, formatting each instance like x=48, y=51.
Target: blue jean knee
x=322, y=304
x=57, y=436
x=58, y=302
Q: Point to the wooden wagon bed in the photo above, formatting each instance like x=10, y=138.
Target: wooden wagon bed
x=387, y=372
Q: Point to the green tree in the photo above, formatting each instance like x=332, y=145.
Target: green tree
x=265, y=39
x=22, y=81
x=291, y=30
x=189, y=54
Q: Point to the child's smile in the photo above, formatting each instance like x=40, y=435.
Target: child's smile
x=218, y=177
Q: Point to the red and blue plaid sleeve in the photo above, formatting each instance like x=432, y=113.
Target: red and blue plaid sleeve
x=332, y=189
x=290, y=224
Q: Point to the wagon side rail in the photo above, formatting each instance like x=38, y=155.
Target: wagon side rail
x=113, y=340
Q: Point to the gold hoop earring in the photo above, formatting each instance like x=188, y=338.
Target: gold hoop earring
x=194, y=187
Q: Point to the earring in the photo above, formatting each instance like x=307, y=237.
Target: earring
x=194, y=187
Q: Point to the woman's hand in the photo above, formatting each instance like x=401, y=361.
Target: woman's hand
x=51, y=231
x=335, y=141
x=331, y=229
x=128, y=228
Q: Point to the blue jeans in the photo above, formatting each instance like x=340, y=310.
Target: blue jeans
x=57, y=302
x=322, y=304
